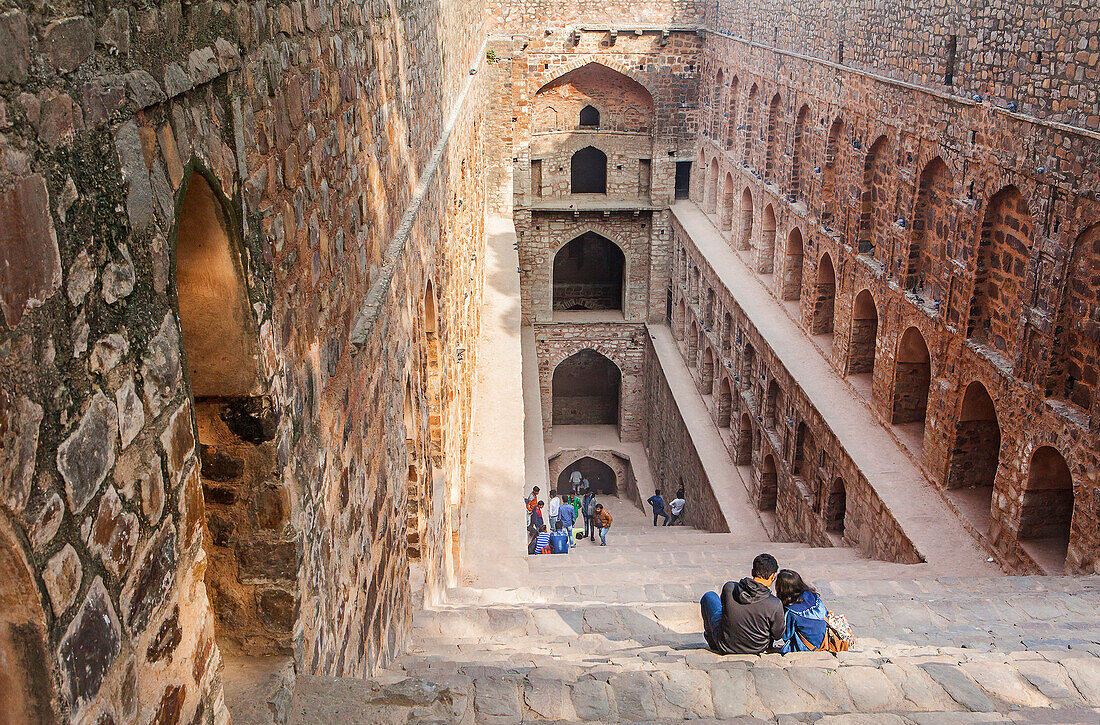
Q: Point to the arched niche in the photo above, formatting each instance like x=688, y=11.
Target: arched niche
x=600, y=476
x=596, y=86
x=588, y=274
x=1046, y=509
x=975, y=455
x=821, y=322
x=588, y=171
x=585, y=390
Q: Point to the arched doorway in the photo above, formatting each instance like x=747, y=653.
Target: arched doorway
x=975, y=456
x=26, y=683
x=1046, y=510
x=693, y=344
x=765, y=263
x=247, y=509
x=588, y=274
x=830, y=196
x=804, y=450
x=588, y=171
x=861, y=344
x=824, y=297
x=872, y=196
x=589, y=117
x=773, y=139
x=772, y=405
x=742, y=455
x=1003, y=253
x=600, y=476
x=712, y=187
x=769, y=484
x=726, y=204
x=931, y=222
x=725, y=398
x=836, y=508
x=1075, y=367
x=706, y=373
x=792, y=267
x=912, y=378
x=585, y=390
x=745, y=237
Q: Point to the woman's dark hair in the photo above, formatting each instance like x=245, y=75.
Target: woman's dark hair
x=789, y=586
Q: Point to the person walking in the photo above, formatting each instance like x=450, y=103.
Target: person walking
x=575, y=480
x=677, y=508
x=658, y=504
x=603, y=523
x=588, y=508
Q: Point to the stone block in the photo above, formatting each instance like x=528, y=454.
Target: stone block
x=139, y=189
x=1003, y=681
x=20, y=420
x=69, y=42
x=1085, y=673
x=635, y=697
x=14, y=47
x=269, y=560
x=591, y=699
x=114, y=533
x=871, y=690
x=62, y=577
x=151, y=580
x=548, y=699
x=131, y=412
x=106, y=354
x=30, y=263
x=178, y=440
x=960, y=687
x=219, y=465
x=497, y=700
x=118, y=277
x=87, y=454
x=89, y=646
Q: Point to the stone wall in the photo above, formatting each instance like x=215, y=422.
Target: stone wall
x=352, y=203
x=978, y=235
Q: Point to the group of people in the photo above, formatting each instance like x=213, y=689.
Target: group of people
x=748, y=619
x=553, y=528
x=676, y=506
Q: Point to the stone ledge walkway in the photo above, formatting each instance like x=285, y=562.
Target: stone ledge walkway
x=924, y=516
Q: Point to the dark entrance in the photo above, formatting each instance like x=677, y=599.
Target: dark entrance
x=683, y=179
x=588, y=274
x=600, y=477
x=586, y=390
x=588, y=171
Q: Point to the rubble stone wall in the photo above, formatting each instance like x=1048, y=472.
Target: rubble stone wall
x=352, y=201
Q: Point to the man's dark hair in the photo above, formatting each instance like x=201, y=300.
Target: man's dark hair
x=535, y=489
x=657, y=492
x=543, y=504
x=764, y=565
x=558, y=527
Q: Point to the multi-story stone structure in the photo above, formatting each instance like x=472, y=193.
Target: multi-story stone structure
x=242, y=257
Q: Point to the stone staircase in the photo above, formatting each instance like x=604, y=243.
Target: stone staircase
x=612, y=634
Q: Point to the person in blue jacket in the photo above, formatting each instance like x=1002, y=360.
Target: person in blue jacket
x=567, y=516
x=658, y=504
x=559, y=540
x=805, y=613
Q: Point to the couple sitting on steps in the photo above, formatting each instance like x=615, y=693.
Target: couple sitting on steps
x=749, y=619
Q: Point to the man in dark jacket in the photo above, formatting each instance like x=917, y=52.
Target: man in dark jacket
x=748, y=618
x=658, y=503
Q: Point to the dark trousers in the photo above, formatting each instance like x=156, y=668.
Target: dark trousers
x=711, y=608
x=659, y=512
x=668, y=521
x=589, y=527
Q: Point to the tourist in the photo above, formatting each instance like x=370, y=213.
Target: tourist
x=676, y=506
x=559, y=540
x=585, y=486
x=531, y=501
x=680, y=491
x=576, y=507
x=658, y=505
x=554, y=507
x=542, y=544
x=575, y=480
x=603, y=523
x=807, y=618
x=536, y=516
x=567, y=515
x=747, y=618
x=588, y=508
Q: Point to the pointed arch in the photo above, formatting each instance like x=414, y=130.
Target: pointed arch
x=588, y=274
x=931, y=228
x=864, y=335
x=773, y=132
x=585, y=389
x=769, y=484
x=726, y=204
x=1046, y=509
x=1075, y=362
x=975, y=454
x=830, y=172
x=765, y=257
x=731, y=115
x=792, y=266
x=798, y=163
x=745, y=236
x=912, y=378
x=824, y=297
x=873, y=195
x=750, y=120
x=588, y=171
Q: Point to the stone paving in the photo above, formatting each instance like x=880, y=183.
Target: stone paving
x=612, y=634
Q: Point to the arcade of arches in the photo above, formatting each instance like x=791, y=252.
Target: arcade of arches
x=297, y=299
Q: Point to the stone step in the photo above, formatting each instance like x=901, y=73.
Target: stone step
x=678, y=685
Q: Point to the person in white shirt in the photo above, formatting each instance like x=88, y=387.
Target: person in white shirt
x=575, y=479
x=552, y=509
x=676, y=508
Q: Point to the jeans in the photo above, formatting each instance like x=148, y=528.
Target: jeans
x=711, y=608
x=603, y=535
x=668, y=521
x=659, y=512
x=589, y=528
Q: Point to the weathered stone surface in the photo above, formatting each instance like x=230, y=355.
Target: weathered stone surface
x=635, y=698
x=1003, y=681
x=62, y=577
x=1051, y=679
x=114, y=533
x=219, y=465
x=48, y=522
x=276, y=607
x=960, y=687
x=167, y=638
x=139, y=197
x=90, y=645
x=14, y=47
x=253, y=420
x=160, y=368
x=548, y=699
x=60, y=119
x=143, y=89
x=178, y=440
x=118, y=277
x=171, y=705
x=918, y=687
x=69, y=42
x=150, y=580
x=271, y=560
x=192, y=508
x=30, y=264
x=85, y=457
x=103, y=96
x=871, y=690
x=1085, y=673
x=729, y=689
x=496, y=700
x=826, y=685
x=82, y=274
x=106, y=354
x=115, y=31
x=131, y=412
x=778, y=693
x=20, y=420
x=687, y=691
